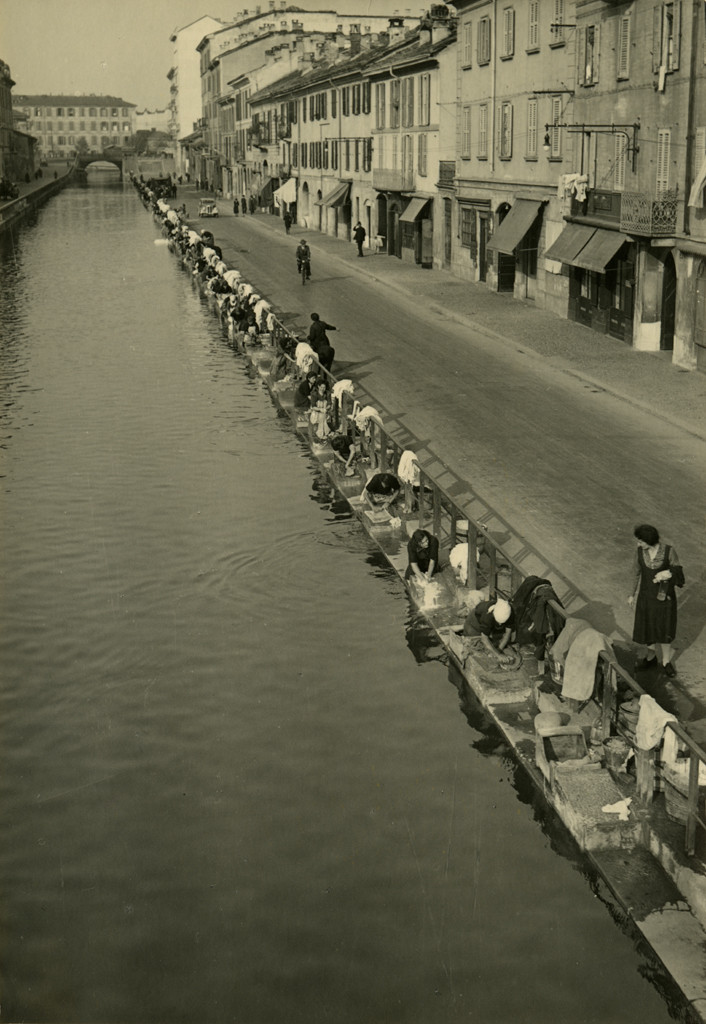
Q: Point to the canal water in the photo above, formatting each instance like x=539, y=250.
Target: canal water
x=238, y=784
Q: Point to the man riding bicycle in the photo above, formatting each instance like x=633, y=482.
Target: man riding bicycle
x=304, y=257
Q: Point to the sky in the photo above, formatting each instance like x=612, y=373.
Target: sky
x=121, y=47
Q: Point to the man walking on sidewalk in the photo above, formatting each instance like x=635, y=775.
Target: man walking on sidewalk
x=359, y=237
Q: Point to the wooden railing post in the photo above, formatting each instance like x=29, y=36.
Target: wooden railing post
x=492, y=571
x=645, y=776
x=472, y=574
x=420, y=499
x=383, y=447
x=608, y=703
x=692, y=809
x=436, y=511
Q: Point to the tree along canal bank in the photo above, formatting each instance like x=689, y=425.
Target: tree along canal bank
x=630, y=816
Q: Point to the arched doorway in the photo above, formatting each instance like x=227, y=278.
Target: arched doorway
x=669, y=305
x=304, y=211
x=506, y=263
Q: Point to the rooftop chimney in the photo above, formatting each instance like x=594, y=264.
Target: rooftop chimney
x=396, y=29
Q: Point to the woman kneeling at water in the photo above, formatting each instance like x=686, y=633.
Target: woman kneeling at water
x=494, y=622
x=381, y=490
x=423, y=554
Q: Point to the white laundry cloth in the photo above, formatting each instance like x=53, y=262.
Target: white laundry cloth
x=408, y=468
x=621, y=808
x=651, y=723
x=365, y=415
x=271, y=321
x=339, y=388
x=458, y=559
x=303, y=351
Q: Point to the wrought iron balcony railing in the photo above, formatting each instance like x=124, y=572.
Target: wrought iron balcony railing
x=395, y=180
x=645, y=214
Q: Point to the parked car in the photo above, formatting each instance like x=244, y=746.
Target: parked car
x=208, y=208
x=8, y=190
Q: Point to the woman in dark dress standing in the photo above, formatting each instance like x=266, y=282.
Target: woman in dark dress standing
x=657, y=574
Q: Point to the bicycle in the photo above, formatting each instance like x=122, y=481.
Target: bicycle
x=305, y=270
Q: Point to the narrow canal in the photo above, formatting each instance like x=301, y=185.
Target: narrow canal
x=231, y=792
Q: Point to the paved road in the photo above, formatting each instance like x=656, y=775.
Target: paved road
x=568, y=466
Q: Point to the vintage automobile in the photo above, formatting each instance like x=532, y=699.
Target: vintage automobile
x=208, y=208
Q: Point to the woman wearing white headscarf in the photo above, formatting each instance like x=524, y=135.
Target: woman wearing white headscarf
x=494, y=622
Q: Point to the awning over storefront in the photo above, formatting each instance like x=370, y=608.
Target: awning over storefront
x=696, y=196
x=600, y=250
x=286, y=193
x=515, y=226
x=569, y=243
x=267, y=191
x=338, y=196
x=413, y=210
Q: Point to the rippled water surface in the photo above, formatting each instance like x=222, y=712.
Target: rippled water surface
x=230, y=790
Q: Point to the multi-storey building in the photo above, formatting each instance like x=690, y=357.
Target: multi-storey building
x=59, y=122
x=185, y=85
x=235, y=52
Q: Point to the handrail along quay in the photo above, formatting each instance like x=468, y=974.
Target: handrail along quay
x=664, y=849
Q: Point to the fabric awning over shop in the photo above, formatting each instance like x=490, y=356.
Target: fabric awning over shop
x=569, y=243
x=515, y=226
x=413, y=210
x=600, y=250
x=696, y=196
x=286, y=193
x=267, y=190
x=337, y=196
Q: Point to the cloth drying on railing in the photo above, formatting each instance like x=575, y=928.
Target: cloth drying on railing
x=365, y=416
x=408, y=468
x=271, y=322
x=572, y=627
x=536, y=619
x=458, y=559
x=302, y=353
x=582, y=662
x=651, y=724
x=261, y=307
x=341, y=387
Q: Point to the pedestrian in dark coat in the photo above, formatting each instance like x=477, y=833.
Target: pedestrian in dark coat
x=657, y=571
x=253, y=204
x=317, y=333
x=359, y=237
x=287, y=221
x=243, y=205
x=236, y=207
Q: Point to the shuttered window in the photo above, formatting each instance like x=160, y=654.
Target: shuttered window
x=664, y=138
x=467, y=44
x=666, y=36
x=484, y=41
x=424, y=98
x=508, y=32
x=533, y=25
x=466, y=133
x=380, y=105
x=619, y=154
x=483, y=131
x=531, y=150
x=422, y=139
x=555, y=133
x=558, y=22
x=624, y=27
x=505, y=131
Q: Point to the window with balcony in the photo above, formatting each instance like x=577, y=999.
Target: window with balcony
x=334, y=154
x=505, y=131
x=483, y=42
x=483, y=132
x=619, y=154
x=466, y=133
x=533, y=26
x=623, y=48
x=664, y=140
x=346, y=154
x=325, y=155
x=508, y=37
x=531, y=139
x=666, y=32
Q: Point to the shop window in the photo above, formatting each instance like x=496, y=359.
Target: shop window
x=468, y=217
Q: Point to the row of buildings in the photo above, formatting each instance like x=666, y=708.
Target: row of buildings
x=17, y=147
x=555, y=149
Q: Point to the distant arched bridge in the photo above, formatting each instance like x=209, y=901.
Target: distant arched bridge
x=84, y=160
